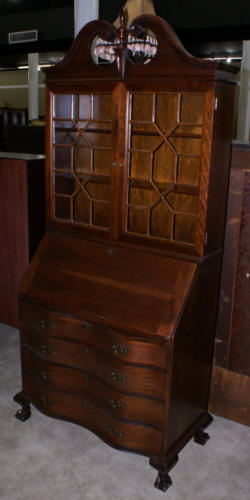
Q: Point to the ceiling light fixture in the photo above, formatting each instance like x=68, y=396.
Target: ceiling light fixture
x=129, y=40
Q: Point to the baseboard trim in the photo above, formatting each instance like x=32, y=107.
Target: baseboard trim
x=229, y=395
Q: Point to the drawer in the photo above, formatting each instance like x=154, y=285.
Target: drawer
x=119, y=375
x=115, y=343
x=122, y=405
x=117, y=433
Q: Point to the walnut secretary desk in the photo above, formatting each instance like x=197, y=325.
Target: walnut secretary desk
x=118, y=307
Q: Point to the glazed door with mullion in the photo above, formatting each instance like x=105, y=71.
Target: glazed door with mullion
x=168, y=166
x=88, y=158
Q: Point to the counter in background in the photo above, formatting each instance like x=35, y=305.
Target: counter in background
x=22, y=221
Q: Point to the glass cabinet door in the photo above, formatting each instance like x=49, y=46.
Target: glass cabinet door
x=82, y=157
x=164, y=165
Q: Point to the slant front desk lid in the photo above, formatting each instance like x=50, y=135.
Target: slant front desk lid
x=120, y=287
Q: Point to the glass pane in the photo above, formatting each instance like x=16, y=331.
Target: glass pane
x=97, y=191
x=185, y=228
x=186, y=145
x=82, y=208
x=102, y=107
x=138, y=221
x=181, y=202
x=102, y=161
x=64, y=133
x=141, y=164
x=167, y=111
x=84, y=111
x=161, y=221
x=98, y=140
x=62, y=208
x=164, y=165
x=142, y=107
x=62, y=106
x=192, y=106
x=100, y=214
x=62, y=158
x=64, y=184
x=83, y=159
x=188, y=170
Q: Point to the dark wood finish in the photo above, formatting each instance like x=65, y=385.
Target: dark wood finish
x=229, y=395
x=22, y=226
x=118, y=306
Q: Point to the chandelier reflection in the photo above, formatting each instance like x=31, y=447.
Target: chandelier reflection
x=131, y=42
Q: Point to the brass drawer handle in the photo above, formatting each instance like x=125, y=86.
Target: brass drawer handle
x=46, y=324
x=117, y=405
x=88, y=326
x=115, y=433
x=85, y=350
x=118, y=377
x=47, y=349
x=119, y=349
x=111, y=252
x=47, y=376
x=47, y=402
x=85, y=404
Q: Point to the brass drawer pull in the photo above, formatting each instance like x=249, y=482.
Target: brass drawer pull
x=47, y=402
x=46, y=324
x=115, y=433
x=47, y=376
x=118, y=377
x=47, y=349
x=88, y=326
x=117, y=405
x=119, y=349
x=111, y=252
x=85, y=404
x=85, y=350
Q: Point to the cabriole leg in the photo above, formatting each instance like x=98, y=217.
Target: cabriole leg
x=25, y=411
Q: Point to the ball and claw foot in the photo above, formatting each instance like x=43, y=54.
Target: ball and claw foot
x=163, y=482
x=25, y=412
x=201, y=437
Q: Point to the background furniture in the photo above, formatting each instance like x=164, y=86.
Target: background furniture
x=230, y=387
x=118, y=307
x=21, y=224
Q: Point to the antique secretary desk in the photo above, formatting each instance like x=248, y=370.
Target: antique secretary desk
x=118, y=307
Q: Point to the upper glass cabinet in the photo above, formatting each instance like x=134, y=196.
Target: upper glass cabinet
x=161, y=179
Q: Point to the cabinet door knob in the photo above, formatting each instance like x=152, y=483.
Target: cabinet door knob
x=120, y=350
x=118, y=377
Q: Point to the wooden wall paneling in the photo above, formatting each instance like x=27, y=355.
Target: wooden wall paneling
x=230, y=381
